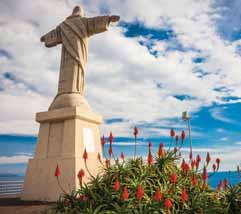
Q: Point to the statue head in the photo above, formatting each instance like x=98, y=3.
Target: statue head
x=78, y=11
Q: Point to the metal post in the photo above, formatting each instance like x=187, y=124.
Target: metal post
x=187, y=118
x=189, y=133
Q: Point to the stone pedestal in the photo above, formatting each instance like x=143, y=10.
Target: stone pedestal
x=63, y=135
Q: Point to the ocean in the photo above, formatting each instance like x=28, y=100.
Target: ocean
x=213, y=180
x=16, y=150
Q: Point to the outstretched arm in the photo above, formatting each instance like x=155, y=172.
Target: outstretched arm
x=52, y=38
x=99, y=24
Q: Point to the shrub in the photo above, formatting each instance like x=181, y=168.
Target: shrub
x=157, y=185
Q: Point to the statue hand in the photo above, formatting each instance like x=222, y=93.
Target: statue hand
x=114, y=18
x=42, y=39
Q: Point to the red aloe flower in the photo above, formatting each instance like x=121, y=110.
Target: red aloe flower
x=149, y=145
x=208, y=158
x=204, y=174
x=122, y=156
x=194, y=180
x=225, y=184
x=183, y=136
x=149, y=159
x=66, y=202
x=193, y=164
x=135, y=132
x=175, y=150
x=204, y=186
x=198, y=158
x=218, y=162
x=186, y=168
x=116, y=185
x=83, y=198
x=107, y=163
x=176, y=139
x=184, y=196
x=110, y=150
x=168, y=203
x=158, y=195
x=173, y=178
x=183, y=164
x=81, y=174
x=220, y=185
x=139, y=193
x=111, y=138
x=85, y=155
x=214, y=167
x=57, y=171
x=161, y=151
x=190, y=154
x=99, y=157
x=103, y=141
x=125, y=194
x=172, y=133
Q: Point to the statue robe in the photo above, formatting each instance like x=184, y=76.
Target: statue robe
x=73, y=34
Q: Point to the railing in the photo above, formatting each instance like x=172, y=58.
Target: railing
x=10, y=187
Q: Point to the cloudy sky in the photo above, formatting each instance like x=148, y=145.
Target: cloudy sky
x=164, y=57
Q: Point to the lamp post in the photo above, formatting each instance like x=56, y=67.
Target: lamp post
x=187, y=117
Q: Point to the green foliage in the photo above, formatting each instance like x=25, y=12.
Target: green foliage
x=99, y=195
x=232, y=198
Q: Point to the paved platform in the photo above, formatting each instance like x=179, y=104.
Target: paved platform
x=13, y=205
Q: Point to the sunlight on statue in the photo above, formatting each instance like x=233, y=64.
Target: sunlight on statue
x=73, y=34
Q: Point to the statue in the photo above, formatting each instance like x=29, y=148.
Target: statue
x=73, y=34
x=69, y=128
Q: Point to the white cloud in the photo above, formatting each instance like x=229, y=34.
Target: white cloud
x=14, y=159
x=122, y=75
x=220, y=130
x=229, y=156
x=218, y=114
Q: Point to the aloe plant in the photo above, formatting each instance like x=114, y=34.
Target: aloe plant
x=159, y=185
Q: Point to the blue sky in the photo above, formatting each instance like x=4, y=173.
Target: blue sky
x=163, y=58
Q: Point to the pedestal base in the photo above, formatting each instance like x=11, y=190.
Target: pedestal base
x=63, y=136
x=67, y=100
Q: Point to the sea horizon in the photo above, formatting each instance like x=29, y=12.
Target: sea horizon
x=232, y=177
x=18, y=149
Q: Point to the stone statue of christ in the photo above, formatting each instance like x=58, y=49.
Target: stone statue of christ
x=73, y=34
